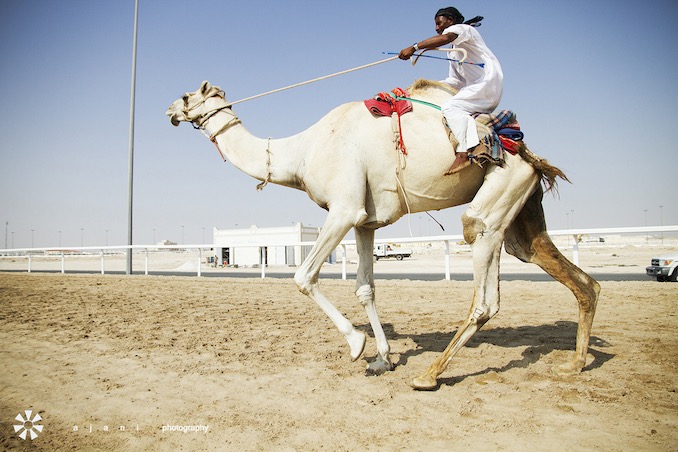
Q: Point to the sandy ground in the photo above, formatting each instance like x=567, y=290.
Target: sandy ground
x=109, y=362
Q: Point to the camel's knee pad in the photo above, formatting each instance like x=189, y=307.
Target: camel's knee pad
x=472, y=227
x=365, y=294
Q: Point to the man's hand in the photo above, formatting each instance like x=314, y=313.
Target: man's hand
x=406, y=53
x=429, y=43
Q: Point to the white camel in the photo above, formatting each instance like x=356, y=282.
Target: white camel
x=349, y=165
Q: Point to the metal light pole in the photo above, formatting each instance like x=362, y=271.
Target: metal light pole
x=131, y=140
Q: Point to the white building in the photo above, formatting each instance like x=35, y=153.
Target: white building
x=277, y=246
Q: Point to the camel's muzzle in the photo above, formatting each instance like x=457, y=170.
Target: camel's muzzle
x=172, y=113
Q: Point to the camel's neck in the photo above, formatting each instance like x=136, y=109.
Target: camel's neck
x=264, y=159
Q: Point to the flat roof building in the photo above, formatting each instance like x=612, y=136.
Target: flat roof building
x=245, y=247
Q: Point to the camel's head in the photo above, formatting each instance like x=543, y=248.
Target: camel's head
x=197, y=106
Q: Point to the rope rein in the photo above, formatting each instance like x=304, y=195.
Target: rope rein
x=364, y=66
x=315, y=80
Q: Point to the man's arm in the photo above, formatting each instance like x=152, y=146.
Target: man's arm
x=430, y=43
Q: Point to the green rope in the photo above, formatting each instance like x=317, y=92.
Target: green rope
x=423, y=102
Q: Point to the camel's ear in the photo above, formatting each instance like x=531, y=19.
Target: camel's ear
x=205, y=87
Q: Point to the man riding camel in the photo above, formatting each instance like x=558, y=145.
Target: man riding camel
x=479, y=87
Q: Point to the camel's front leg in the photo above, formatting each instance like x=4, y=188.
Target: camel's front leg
x=333, y=231
x=366, y=295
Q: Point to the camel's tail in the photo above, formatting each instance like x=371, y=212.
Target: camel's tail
x=548, y=172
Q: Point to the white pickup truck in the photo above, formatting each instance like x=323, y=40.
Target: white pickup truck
x=387, y=250
x=664, y=268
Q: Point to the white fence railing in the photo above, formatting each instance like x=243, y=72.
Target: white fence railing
x=63, y=252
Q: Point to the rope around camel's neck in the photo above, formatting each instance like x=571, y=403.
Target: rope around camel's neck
x=212, y=116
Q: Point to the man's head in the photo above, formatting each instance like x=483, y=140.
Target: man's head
x=446, y=17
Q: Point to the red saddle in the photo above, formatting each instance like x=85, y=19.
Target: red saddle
x=385, y=104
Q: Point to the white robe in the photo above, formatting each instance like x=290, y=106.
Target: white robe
x=480, y=88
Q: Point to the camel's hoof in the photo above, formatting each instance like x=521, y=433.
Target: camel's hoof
x=568, y=369
x=356, y=342
x=378, y=366
x=424, y=383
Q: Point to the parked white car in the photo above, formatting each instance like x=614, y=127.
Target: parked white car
x=664, y=268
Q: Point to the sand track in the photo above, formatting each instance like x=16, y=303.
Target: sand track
x=261, y=365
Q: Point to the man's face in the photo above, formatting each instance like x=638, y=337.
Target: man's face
x=442, y=22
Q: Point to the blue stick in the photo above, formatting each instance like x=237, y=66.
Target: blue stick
x=439, y=58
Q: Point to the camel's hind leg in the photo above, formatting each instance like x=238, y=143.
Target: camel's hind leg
x=527, y=239
x=486, y=252
x=496, y=204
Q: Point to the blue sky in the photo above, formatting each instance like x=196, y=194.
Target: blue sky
x=592, y=82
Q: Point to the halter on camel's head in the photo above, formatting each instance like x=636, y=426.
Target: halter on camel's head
x=199, y=106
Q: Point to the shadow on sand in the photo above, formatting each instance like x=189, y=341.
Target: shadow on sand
x=540, y=341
